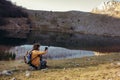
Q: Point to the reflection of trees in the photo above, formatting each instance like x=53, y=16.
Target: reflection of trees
x=75, y=41
x=68, y=40
x=13, y=37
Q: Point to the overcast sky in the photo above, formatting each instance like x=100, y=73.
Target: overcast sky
x=59, y=5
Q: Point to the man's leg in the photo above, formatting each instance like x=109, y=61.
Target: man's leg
x=43, y=64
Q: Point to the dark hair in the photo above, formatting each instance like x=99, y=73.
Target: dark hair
x=36, y=46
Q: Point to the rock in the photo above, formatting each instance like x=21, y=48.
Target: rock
x=64, y=68
x=13, y=78
x=66, y=78
x=27, y=73
x=77, y=64
x=7, y=72
x=20, y=61
x=110, y=79
x=88, y=59
x=115, y=64
x=118, y=63
x=118, y=74
x=44, y=69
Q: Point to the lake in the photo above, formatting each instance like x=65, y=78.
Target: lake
x=53, y=52
x=61, y=45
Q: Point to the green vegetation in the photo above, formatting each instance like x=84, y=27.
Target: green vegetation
x=7, y=56
x=104, y=67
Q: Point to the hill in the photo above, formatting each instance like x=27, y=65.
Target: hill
x=98, y=22
x=111, y=8
x=104, y=22
x=12, y=16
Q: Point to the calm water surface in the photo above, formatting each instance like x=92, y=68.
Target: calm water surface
x=53, y=52
x=61, y=45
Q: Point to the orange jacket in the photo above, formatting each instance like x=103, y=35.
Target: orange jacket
x=36, y=53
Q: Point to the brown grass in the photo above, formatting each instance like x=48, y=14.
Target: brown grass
x=87, y=68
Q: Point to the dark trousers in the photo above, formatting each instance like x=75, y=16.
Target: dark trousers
x=43, y=64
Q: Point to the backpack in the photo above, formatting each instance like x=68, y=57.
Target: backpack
x=27, y=57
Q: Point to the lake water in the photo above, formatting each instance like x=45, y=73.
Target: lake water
x=53, y=52
x=61, y=45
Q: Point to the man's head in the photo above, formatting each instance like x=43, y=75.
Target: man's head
x=36, y=46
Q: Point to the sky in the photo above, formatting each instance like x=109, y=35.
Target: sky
x=59, y=5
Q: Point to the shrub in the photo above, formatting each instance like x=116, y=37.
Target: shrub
x=7, y=56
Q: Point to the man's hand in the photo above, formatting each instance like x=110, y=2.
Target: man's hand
x=46, y=48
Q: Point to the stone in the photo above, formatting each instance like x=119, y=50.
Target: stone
x=118, y=63
x=88, y=59
x=7, y=72
x=118, y=74
x=13, y=78
x=27, y=73
x=77, y=64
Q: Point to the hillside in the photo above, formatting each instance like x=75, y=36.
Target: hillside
x=105, y=22
x=12, y=16
x=111, y=8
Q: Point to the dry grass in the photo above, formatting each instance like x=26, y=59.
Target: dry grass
x=87, y=68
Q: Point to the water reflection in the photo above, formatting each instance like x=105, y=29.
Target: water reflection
x=62, y=45
x=12, y=38
x=53, y=52
x=67, y=40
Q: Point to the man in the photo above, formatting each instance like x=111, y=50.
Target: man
x=36, y=61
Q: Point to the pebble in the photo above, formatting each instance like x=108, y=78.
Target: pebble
x=27, y=73
x=44, y=69
x=77, y=64
x=118, y=74
x=118, y=63
x=7, y=72
x=14, y=78
x=20, y=62
x=88, y=59
x=64, y=68
x=110, y=79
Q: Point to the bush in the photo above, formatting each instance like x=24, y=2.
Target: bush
x=13, y=56
x=7, y=56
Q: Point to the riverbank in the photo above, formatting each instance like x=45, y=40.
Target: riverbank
x=105, y=67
